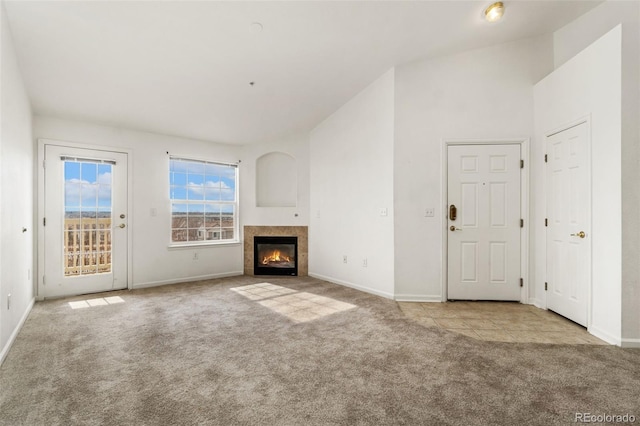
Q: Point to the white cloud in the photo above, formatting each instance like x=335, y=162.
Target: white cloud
x=75, y=189
x=208, y=187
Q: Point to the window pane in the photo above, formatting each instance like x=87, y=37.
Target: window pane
x=227, y=195
x=178, y=235
x=104, y=196
x=195, y=167
x=88, y=172
x=229, y=183
x=178, y=193
x=178, y=166
x=195, y=193
x=179, y=216
x=178, y=178
x=212, y=191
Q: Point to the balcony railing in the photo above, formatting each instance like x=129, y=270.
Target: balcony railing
x=87, y=246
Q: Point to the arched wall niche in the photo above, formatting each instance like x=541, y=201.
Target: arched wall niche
x=276, y=180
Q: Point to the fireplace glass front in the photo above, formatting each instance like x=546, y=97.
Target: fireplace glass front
x=275, y=256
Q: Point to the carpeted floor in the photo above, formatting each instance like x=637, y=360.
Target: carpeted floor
x=298, y=352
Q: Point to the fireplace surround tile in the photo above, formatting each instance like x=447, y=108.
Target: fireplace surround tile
x=277, y=231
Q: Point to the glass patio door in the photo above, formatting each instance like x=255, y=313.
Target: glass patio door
x=86, y=226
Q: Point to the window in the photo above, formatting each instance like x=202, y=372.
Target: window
x=204, y=206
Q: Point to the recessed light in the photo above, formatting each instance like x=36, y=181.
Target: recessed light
x=494, y=12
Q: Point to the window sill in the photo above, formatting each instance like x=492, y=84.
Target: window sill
x=204, y=244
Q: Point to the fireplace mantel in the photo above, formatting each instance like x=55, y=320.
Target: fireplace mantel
x=277, y=231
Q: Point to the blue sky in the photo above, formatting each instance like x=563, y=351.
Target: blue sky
x=87, y=186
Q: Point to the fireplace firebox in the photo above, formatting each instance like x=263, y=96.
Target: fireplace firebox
x=275, y=255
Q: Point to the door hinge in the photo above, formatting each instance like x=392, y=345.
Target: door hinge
x=521, y=282
x=44, y=221
x=43, y=280
x=522, y=164
x=545, y=286
x=546, y=222
x=545, y=158
x=521, y=223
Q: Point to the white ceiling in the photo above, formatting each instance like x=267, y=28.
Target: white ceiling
x=183, y=68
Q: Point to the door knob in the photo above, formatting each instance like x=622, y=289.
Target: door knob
x=580, y=234
x=453, y=228
x=122, y=225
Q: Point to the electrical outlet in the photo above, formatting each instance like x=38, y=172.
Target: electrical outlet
x=429, y=212
x=8, y=301
x=196, y=256
x=383, y=211
x=364, y=262
x=344, y=259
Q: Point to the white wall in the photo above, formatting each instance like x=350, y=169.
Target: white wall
x=570, y=40
x=153, y=262
x=251, y=215
x=16, y=195
x=589, y=85
x=480, y=94
x=351, y=179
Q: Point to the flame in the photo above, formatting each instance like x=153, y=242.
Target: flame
x=275, y=256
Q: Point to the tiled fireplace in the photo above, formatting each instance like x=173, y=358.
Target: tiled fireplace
x=299, y=232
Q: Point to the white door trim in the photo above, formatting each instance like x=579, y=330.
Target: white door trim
x=586, y=120
x=40, y=205
x=524, y=207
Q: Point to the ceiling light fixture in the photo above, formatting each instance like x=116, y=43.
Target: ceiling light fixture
x=256, y=27
x=494, y=12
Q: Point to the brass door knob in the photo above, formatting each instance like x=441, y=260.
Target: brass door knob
x=122, y=225
x=580, y=234
x=453, y=228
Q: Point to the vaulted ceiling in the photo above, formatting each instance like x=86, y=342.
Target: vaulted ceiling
x=185, y=68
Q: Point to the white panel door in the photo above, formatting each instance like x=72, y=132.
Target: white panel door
x=568, y=219
x=85, y=232
x=484, y=237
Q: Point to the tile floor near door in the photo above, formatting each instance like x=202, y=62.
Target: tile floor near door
x=499, y=321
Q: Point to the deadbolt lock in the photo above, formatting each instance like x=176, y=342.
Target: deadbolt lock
x=122, y=216
x=453, y=212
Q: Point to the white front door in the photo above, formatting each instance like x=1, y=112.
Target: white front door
x=483, y=222
x=85, y=223
x=568, y=219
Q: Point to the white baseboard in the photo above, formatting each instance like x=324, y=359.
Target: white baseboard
x=352, y=285
x=603, y=335
x=418, y=298
x=537, y=303
x=631, y=343
x=187, y=279
x=12, y=338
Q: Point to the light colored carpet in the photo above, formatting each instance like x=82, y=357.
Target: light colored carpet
x=302, y=352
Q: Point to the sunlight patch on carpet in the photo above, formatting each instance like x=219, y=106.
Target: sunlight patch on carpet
x=297, y=306
x=100, y=301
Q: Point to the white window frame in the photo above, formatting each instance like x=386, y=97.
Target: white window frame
x=235, y=204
